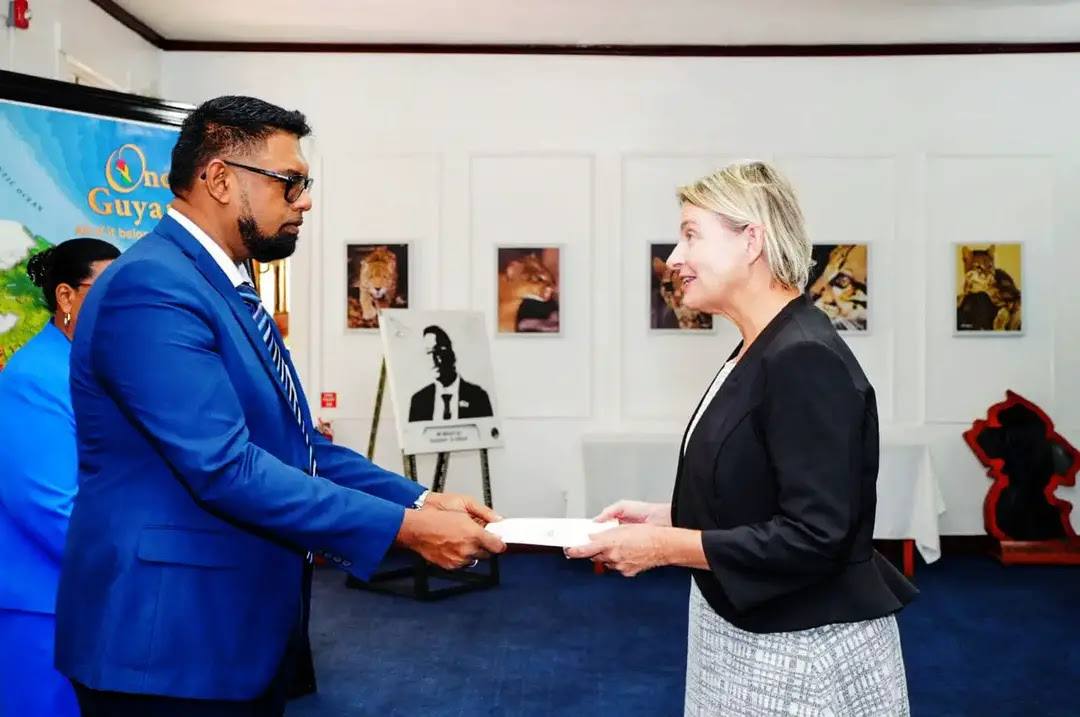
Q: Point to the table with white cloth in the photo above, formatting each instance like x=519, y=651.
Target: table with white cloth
x=641, y=466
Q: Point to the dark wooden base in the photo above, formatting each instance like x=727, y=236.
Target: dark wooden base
x=1037, y=552
x=416, y=580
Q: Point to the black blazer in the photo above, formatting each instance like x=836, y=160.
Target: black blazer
x=780, y=474
x=473, y=402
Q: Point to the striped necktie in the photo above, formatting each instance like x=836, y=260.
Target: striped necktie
x=269, y=332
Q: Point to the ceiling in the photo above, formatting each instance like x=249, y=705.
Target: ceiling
x=177, y=23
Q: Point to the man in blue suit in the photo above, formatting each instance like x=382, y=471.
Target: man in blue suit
x=203, y=487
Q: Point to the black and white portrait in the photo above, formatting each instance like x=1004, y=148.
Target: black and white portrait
x=449, y=396
x=439, y=369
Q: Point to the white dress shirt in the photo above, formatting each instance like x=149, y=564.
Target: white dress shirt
x=237, y=273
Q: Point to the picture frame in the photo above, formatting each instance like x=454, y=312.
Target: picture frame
x=387, y=283
x=997, y=267
x=665, y=314
x=441, y=376
x=528, y=290
x=840, y=285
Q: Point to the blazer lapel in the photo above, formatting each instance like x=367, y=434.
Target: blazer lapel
x=209, y=268
x=686, y=430
x=721, y=411
x=715, y=401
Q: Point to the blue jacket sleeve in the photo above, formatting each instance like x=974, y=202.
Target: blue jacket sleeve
x=152, y=323
x=346, y=467
x=40, y=462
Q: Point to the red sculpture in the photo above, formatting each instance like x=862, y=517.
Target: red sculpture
x=1027, y=461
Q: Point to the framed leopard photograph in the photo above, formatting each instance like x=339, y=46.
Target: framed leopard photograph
x=839, y=285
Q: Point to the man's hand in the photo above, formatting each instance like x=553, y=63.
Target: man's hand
x=635, y=511
x=448, y=538
x=630, y=549
x=480, y=513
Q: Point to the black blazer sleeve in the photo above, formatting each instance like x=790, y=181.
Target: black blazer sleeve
x=811, y=422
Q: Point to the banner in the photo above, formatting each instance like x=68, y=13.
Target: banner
x=66, y=174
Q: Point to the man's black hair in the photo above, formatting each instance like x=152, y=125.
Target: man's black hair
x=440, y=336
x=225, y=126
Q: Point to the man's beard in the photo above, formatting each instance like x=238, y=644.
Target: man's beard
x=265, y=248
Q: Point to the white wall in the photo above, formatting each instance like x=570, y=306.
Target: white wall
x=457, y=153
x=82, y=31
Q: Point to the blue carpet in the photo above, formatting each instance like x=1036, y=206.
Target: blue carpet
x=554, y=639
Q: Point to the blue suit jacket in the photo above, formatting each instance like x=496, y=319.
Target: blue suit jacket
x=37, y=479
x=183, y=568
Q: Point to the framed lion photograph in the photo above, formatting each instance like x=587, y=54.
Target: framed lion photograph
x=839, y=285
x=378, y=278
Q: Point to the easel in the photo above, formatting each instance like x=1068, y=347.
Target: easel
x=397, y=581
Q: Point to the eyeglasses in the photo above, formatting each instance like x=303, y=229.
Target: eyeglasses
x=295, y=184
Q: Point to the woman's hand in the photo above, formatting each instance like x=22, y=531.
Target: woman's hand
x=636, y=511
x=629, y=549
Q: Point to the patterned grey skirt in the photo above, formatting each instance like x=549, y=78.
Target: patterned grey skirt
x=847, y=670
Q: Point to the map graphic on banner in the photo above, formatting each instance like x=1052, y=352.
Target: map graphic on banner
x=63, y=175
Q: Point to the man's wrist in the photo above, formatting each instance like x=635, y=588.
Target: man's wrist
x=405, y=534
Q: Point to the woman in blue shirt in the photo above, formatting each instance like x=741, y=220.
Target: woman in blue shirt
x=38, y=482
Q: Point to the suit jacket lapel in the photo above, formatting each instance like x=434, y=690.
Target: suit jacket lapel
x=171, y=229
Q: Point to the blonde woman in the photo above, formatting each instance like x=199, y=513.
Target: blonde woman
x=792, y=611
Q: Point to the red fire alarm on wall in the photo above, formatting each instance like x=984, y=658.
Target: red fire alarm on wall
x=329, y=399
x=19, y=14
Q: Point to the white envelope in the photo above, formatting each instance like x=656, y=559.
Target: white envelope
x=557, y=532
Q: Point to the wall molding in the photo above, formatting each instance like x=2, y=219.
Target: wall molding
x=582, y=305
x=168, y=44
x=330, y=247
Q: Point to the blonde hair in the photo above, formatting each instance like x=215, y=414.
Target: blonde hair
x=754, y=192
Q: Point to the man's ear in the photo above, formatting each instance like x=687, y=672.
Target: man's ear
x=219, y=181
